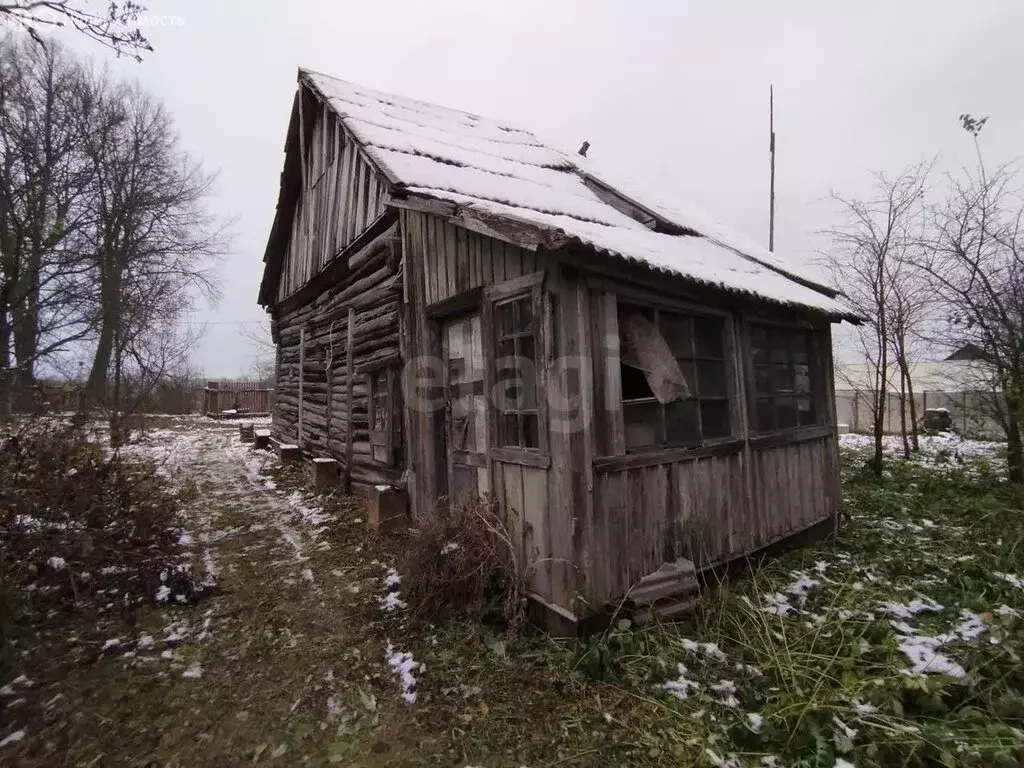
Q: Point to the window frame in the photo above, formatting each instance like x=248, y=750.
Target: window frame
x=531, y=285
x=389, y=438
x=623, y=302
x=816, y=374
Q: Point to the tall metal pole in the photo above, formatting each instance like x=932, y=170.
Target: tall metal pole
x=771, y=150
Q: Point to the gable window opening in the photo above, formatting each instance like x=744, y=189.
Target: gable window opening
x=783, y=369
x=674, y=378
x=516, y=369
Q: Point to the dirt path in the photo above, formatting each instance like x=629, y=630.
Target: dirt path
x=255, y=672
x=292, y=660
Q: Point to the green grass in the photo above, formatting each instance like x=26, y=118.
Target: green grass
x=294, y=674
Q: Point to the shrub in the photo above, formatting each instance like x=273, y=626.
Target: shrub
x=77, y=527
x=462, y=561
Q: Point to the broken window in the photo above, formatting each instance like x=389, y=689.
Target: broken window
x=515, y=357
x=385, y=417
x=467, y=409
x=674, y=378
x=783, y=369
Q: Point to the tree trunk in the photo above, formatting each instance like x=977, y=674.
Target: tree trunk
x=110, y=302
x=881, y=401
x=903, y=411
x=26, y=329
x=1014, y=450
x=915, y=444
x=6, y=374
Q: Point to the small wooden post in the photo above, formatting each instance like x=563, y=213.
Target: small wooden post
x=349, y=375
x=302, y=364
x=247, y=433
x=261, y=438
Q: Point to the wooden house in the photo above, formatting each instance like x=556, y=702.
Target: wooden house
x=460, y=309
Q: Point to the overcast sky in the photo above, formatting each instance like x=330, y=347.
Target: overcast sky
x=673, y=94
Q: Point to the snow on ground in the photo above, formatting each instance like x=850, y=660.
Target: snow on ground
x=406, y=669
x=944, y=448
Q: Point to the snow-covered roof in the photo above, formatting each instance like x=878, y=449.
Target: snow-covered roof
x=487, y=167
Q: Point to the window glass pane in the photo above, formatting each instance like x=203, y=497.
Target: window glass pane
x=798, y=345
x=786, y=413
x=506, y=356
x=782, y=378
x=708, y=334
x=714, y=418
x=765, y=414
x=528, y=436
x=527, y=383
x=806, y=408
x=779, y=341
x=712, y=379
x=527, y=351
x=524, y=316
x=510, y=428
x=802, y=382
x=759, y=344
x=642, y=423
x=681, y=424
x=678, y=332
x=689, y=369
x=763, y=380
x=505, y=318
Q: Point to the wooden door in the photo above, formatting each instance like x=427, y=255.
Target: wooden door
x=465, y=409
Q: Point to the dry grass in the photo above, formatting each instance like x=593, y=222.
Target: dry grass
x=461, y=562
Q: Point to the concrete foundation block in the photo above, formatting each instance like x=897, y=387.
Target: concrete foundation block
x=288, y=452
x=247, y=433
x=387, y=508
x=323, y=473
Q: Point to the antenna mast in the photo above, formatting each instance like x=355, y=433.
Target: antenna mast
x=771, y=150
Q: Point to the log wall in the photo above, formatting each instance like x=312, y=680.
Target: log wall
x=370, y=286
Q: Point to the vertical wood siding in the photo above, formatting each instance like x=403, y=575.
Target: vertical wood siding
x=455, y=259
x=339, y=200
x=699, y=509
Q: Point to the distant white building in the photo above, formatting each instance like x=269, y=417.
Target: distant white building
x=960, y=383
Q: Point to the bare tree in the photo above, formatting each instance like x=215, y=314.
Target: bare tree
x=909, y=309
x=868, y=259
x=975, y=264
x=156, y=246
x=45, y=181
x=112, y=23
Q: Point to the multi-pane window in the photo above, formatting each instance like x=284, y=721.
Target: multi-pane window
x=783, y=369
x=674, y=378
x=516, y=369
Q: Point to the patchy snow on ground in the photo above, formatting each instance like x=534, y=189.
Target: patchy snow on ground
x=13, y=738
x=406, y=669
x=170, y=450
x=682, y=686
x=941, y=450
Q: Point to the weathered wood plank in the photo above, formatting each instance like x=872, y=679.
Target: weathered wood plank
x=535, y=530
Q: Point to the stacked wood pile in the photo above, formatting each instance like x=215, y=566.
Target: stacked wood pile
x=325, y=343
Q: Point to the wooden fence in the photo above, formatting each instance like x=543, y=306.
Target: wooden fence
x=237, y=398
